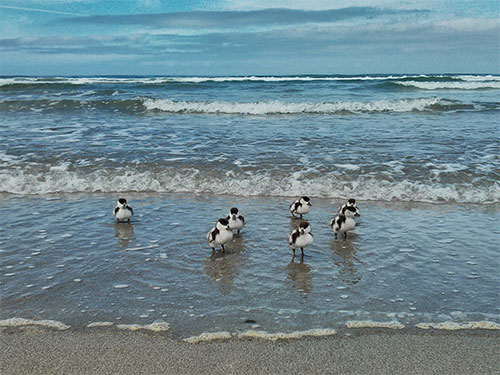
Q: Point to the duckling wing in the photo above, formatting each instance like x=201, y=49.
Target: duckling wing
x=293, y=237
x=214, y=234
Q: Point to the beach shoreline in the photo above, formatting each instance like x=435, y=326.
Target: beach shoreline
x=40, y=351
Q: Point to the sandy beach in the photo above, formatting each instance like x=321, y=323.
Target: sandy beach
x=39, y=351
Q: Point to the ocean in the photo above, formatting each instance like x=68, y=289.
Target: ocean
x=419, y=153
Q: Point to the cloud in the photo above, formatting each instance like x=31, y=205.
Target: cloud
x=301, y=40
x=365, y=39
x=40, y=10
x=237, y=19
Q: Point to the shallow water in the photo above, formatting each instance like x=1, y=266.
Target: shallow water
x=64, y=258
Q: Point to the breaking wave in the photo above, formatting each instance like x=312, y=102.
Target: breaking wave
x=279, y=107
x=274, y=107
x=451, y=85
x=201, y=181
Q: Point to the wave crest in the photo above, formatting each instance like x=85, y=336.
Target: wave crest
x=195, y=181
x=279, y=107
x=451, y=85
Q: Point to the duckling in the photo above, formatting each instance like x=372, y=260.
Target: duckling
x=301, y=237
x=350, y=202
x=122, y=210
x=219, y=235
x=300, y=206
x=236, y=222
x=344, y=222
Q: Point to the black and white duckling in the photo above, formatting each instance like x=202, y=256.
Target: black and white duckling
x=301, y=237
x=122, y=210
x=350, y=202
x=344, y=222
x=236, y=221
x=300, y=206
x=219, y=235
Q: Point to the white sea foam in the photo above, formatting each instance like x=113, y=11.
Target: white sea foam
x=453, y=85
x=19, y=322
x=372, y=324
x=475, y=78
x=142, y=247
x=452, y=326
x=280, y=107
x=351, y=167
x=263, y=183
x=99, y=324
x=208, y=336
x=286, y=336
x=156, y=326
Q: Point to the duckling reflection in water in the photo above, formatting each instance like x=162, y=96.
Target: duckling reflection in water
x=344, y=256
x=124, y=232
x=300, y=274
x=222, y=268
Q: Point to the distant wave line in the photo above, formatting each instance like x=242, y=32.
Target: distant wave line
x=197, y=79
x=456, y=85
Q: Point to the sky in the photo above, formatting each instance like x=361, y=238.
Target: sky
x=244, y=37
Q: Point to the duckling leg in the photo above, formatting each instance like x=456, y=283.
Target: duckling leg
x=300, y=216
x=345, y=235
x=293, y=256
x=302, y=249
x=128, y=221
x=238, y=231
x=223, y=250
x=335, y=235
x=213, y=250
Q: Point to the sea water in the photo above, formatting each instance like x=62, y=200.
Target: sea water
x=420, y=153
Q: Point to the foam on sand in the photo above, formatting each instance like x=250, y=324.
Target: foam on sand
x=372, y=324
x=99, y=324
x=452, y=326
x=19, y=322
x=208, y=336
x=156, y=326
x=286, y=336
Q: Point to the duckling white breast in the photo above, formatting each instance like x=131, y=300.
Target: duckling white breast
x=303, y=209
x=344, y=226
x=220, y=238
x=123, y=214
x=236, y=224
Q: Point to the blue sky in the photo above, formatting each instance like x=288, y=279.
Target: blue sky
x=243, y=37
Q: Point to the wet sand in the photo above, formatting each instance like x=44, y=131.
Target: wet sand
x=36, y=351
